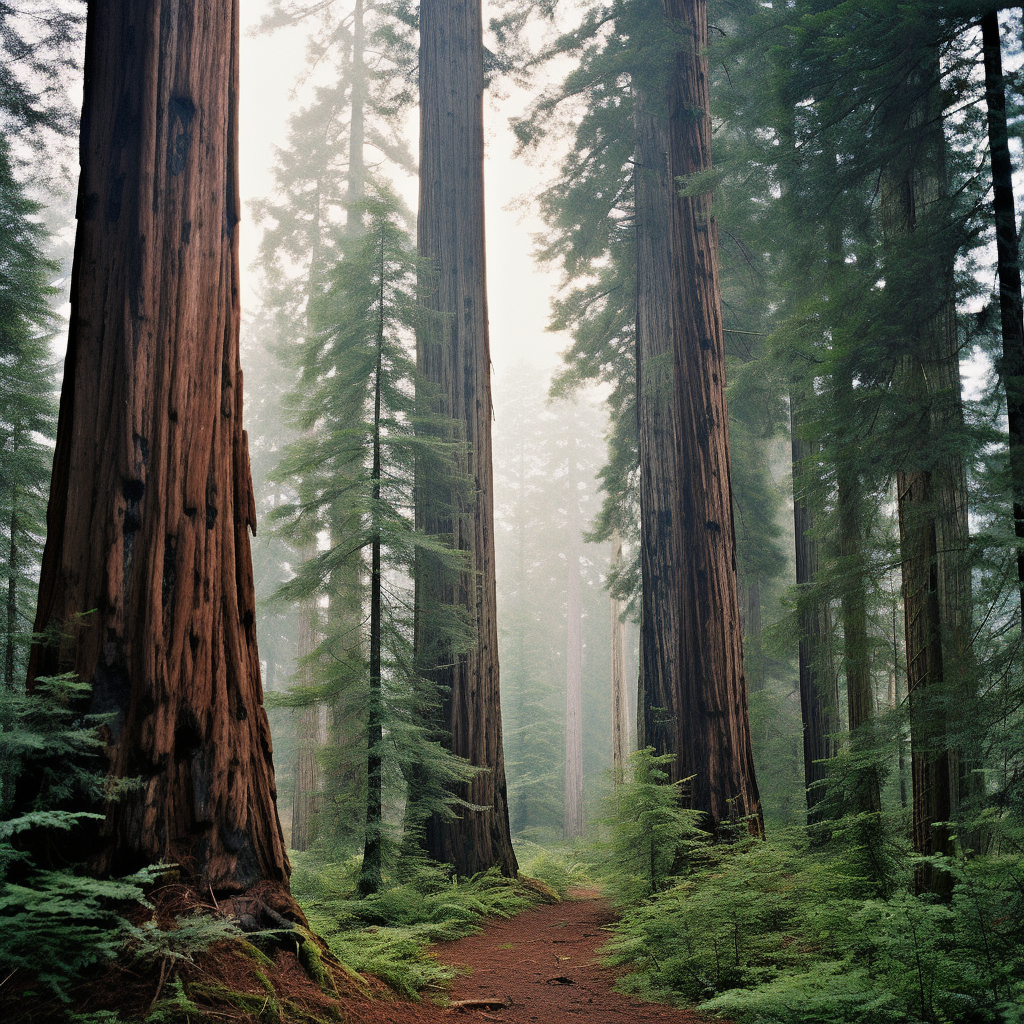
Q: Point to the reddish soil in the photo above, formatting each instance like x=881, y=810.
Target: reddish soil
x=543, y=964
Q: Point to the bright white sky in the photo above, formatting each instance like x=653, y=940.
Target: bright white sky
x=518, y=291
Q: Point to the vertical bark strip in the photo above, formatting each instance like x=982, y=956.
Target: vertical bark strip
x=147, y=567
x=660, y=559
x=1011, y=304
x=620, y=697
x=308, y=740
x=819, y=691
x=451, y=235
x=711, y=719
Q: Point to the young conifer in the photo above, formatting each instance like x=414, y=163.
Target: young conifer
x=359, y=388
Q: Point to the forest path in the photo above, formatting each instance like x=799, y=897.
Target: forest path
x=543, y=964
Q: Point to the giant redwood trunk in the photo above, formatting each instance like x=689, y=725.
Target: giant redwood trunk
x=146, y=574
x=451, y=235
x=660, y=560
x=709, y=719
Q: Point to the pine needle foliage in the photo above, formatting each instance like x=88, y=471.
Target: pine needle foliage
x=355, y=474
x=29, y=413
x=55, y=922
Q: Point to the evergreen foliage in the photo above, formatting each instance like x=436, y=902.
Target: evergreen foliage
x=28, y=421
x=358, y=387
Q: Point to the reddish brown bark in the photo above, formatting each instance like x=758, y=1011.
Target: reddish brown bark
x=710, y=718
x=147, y=568
x=451, y=235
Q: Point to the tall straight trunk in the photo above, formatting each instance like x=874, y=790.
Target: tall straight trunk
x=932, y=498
x=357, y=119
x=620, y=696
x=860, y=700
x=819, y=690
x=147, y=567
x=660, y=559
x=712, y=723
x=308, y=738
x=1011, y=305
x=572, y=823
x=12, y=594
x=372, y=871
x=451, y=235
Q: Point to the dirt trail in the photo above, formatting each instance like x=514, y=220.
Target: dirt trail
x=543, y=963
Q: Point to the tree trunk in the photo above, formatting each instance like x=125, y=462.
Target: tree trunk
x=1011, y=305
x=451, y=235
x=712, y=723
x=147, y=567
x=860, y=699
x=660, y=559
x=573, y=815
x=372, y=871
x=308, y=738
x=620, y=696
x=819, y=691
x=932, y=498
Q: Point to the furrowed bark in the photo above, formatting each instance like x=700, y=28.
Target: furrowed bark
x=711, y=719
x=451, y=235
x=146, y=572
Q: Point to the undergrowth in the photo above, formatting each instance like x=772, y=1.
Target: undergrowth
x=794, y=930
x=387, y=934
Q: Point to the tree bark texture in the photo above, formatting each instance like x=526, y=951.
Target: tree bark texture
x=819, y=690
x=712, y=722
x=620, y=695
x=147, y=569
x=572, y=823
x=661, y=562
x=932, y=499
x=1011, y=304
x=451, y=235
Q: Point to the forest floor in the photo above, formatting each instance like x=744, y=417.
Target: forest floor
x=540, y=966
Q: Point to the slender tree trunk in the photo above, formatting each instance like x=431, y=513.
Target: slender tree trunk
x=573, y=815
x=308, y=739
x=12, y=595
x=147, y=566
x=373, y=845
x=819, y=691
x=860, y=699
x=1011, y=305
x=451, y=234
x=712, y=723
x=620, y=696
x=357, y=120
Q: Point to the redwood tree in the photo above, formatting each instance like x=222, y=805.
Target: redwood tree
x=451, y=236
x=708, y=723
x=146, y=584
